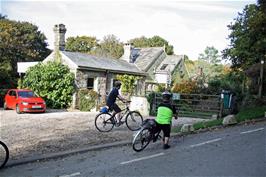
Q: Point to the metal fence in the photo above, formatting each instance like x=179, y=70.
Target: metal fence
x=193, y=105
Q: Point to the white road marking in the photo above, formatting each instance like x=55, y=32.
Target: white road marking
x=71, y=175
x=206, y=142
x=142, y=158
x=251, y=131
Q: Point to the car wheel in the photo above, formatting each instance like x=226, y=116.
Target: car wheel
x=5, y=106
x=18, y=109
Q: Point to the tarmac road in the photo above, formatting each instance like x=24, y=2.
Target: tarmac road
x=234, y=151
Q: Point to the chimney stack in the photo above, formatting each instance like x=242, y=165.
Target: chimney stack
x=59, y=31
x=127, y=52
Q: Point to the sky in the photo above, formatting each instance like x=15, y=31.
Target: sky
x=190, y=26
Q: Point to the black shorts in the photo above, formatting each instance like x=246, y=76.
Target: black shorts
x=166, y=128
x=114, y=107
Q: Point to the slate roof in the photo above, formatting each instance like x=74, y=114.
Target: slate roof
x=100, y=63
x=145, y=57
x=169, y=63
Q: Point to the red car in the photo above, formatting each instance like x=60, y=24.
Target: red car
x=24, y=100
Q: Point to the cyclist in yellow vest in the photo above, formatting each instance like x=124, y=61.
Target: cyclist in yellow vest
x=166, y=111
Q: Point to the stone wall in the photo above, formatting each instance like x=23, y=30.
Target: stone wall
x=99, y=82
x=140, y=104
x=102, y=85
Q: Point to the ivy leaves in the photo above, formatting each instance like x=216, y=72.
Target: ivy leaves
x=128, y=82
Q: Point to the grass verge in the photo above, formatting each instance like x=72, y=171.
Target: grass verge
x=251, y=113
x=207, y=124
x=244, y=115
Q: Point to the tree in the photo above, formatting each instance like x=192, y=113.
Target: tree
x=140, y=42
x=53, y=81
x=83, y=44
x=155, y=41
x=110, y=47
x=210, y=55
x=232, y=81
x=2, y=16
x=247, y=43
x=247, y=37
x=19, y=42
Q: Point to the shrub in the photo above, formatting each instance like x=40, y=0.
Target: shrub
x=160, y=88
x=185, y=87
x=252, y=100
x=53, y=81
x=128, y=83
x=150, y=97
x=2, y=96
x=87, y=99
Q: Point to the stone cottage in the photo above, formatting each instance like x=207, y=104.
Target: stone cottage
x=159, y=67
x=93, y=72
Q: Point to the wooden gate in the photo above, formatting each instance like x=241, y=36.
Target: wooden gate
x=193, y=105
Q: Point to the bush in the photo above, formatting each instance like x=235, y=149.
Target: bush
x=53, y=81
x=185, y=87
x=2, y=96
x=252, y=100
x=87, y=99
x=128, y=83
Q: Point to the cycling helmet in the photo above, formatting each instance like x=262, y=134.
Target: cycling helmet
x=166, y=95
x=118, y=84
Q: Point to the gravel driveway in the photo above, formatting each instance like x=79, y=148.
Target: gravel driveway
x=28, y=135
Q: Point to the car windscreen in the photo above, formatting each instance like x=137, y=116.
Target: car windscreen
x=26, y=94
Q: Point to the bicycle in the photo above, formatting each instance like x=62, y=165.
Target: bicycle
x=145, y=135
x=4, y=154
x=105, y=121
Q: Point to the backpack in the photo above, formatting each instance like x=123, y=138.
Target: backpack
x=149, y=123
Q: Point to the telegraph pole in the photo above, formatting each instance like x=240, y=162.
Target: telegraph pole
x=261, y=77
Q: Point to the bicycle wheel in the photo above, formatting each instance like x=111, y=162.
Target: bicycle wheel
x=4, y=154
x=104, y=122
x=134, y=120
x=141, y=140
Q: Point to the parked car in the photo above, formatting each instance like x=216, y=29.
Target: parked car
x=24, y=100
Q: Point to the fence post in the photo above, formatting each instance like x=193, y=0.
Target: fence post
x=221, y=107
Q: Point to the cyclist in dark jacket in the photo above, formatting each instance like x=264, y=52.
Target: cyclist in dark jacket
x=111, y=99
x=166, y=111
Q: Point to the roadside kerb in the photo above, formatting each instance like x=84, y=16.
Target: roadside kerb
x=66, y=153
x=71, y=152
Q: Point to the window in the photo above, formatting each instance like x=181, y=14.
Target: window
x=26, y=94
x=90, y=83
x=12, y=93
x=164, y=66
